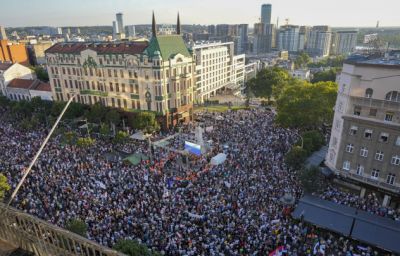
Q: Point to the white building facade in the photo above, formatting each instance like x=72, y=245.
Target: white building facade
x=8, y=72
x=217, y=68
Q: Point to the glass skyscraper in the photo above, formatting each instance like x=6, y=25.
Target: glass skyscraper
x=266, y=10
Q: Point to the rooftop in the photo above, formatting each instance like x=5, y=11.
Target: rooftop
x=29, y=84
x=361, y=60
x=168, y=46
x=100, y=48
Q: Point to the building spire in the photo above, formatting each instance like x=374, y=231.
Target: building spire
x=178, y=25
x=154, y=26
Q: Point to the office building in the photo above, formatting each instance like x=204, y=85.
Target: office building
x=289, y=38
x=3, y=35
x=217, y=69
x=120, y=23
x=319, y=43
x=115, y=30
x=27, y=89
x=13, y=52
x=212, y=30
x=266, y=10
x=264, y=38
x=365, y=140
x=9, y=71
x=242, y=40
x=343, y=42
x=151, y=76
x=131, y=30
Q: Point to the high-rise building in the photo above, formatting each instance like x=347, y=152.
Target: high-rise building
x=319, y=43
x=242, y=40
x=115, y=30
x=212, y=30
x=222, y=30
x=131, y=30
x=264, y=38
x=120, y=23
x=289, y=38
x=3, y=35
x=266, y=10
x=365, y=139
x=151, y=76
x=343, y=42
x=217, y=68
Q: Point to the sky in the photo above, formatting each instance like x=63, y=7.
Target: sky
x=337, y=13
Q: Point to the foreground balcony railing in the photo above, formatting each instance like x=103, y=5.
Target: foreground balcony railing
x=41, y=238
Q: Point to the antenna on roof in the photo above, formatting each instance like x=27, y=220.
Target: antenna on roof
x=154, y=26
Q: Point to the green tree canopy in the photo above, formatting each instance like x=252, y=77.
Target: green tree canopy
x=77, y=226
x=311, y=179
x=96, y=113
x=145, y=121
x=113, y=117
x=295, y=158
x=302, y=60
x=313, y=140
x=4, y=186
x=307, y=106
x=133, y=248
x=269, y=82
x=41, y=73
x=325, y=76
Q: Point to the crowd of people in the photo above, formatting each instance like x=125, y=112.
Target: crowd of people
x=369, y=203
x=197, y=209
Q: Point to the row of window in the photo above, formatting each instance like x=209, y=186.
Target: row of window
x=383, y=136
x=390, y=96
x=379, y=155
x=390, y=179
x=389, y=116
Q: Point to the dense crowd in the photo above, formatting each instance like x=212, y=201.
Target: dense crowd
x=369, y=203
x=196, y=209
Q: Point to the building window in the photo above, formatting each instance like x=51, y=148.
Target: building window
x=364, y=152
x=393, y=96
x=375, y=174
x=384, y=137
x=349, y=148
x=368, y=93
x=357, y=110
x=396, y=160
x=391, y=178
x=389, y=116
x=360, y=169
x=368, y=134
x=353, y=130
x=373, y=112
x=379, y=155
x=398, y=141
x=346, y=165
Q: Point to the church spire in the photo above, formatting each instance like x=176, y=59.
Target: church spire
x=154, y=26
x=178, y=25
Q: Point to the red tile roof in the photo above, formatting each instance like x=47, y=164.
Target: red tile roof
x=21, y=83
x=29, y=84
x=100, y=48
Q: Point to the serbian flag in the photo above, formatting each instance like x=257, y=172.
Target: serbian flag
x=278, y=251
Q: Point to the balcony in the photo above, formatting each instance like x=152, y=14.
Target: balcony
x=373, y=182
x=94, y=93
x=374, y=103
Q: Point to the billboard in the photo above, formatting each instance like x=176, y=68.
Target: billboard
x=193, y=148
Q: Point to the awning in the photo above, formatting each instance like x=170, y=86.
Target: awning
x=218, y=159
x=139, y=136
x=325, y=214
x=135, y=159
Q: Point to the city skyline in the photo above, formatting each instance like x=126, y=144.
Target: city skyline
x=138, y=12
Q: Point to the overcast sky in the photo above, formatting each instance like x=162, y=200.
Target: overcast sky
x=361, y=13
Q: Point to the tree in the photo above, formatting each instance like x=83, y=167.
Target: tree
x=133, y=248
x=113, y=117
x=302, y=60
x=269, y=82
x=4, y=186
x=41, y=73
x=307, y=106
x=313, y=140
x=85, y=142
x=75, y=110
x=145, y=121
x=105, y=129
x=77, y=226
x=295, y=158
x=4, y=101
x=325, y=76
x=121, y=137
x=311, y=179
x=96, y=113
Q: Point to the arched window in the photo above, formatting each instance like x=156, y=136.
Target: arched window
x=393, y=96
x=368, y=93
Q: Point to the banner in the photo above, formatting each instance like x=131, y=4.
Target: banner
x=193, y=148
x=278, y=251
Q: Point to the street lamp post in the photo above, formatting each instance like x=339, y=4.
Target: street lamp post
x=39, y=151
